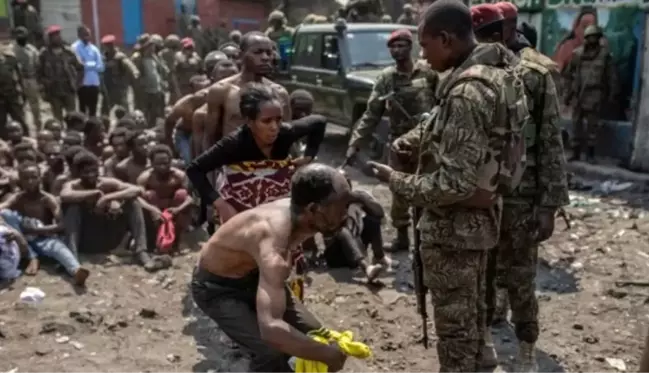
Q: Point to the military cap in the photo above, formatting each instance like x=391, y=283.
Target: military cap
x=593, y=30
x=309, y=19
x=53, y=29
x=187, y=43
x=157, y=39
x=172, y=38
x=276, y=15
x=508, y=9
x=386, y=18
x=400, y=34
x=407, y=6
x=144, y=40
x=485, y=14
x=195, y=18
x=20, y=31
x=108, y=39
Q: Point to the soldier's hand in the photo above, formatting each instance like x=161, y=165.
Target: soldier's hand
x=381, y=171
x=545, y=224
x=402, y=147
x=351, y=153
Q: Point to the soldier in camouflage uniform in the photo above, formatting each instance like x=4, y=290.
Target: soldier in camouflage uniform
x=119, y=74
x=187, y=63
x=168, y=56
x=11, y=91
x=281, y=34
x=591, y=81
x=528, y=213
x=386, y=18
x=458, y=181
x=151, y=85
x=364, y=11
x=198, y=35
x=408, y=15
x=403, y=91
x=27, y=16
x=158, y=43
x=60, y=73
x=27, y=56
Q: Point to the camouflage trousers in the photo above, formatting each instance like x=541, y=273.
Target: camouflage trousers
x=153, y=106
x=112, y=97
x=512, y=266
x=400, y=209
x=455, y=279
x=33, y=97
x=586, y=126
x=62, y=103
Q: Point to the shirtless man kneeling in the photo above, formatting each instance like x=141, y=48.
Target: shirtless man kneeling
x=240, y=279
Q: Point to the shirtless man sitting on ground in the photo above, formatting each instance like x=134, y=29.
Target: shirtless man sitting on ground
x=240, y=279
x=223, y=97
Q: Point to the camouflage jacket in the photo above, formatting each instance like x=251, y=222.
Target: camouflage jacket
x=453, y=146
x=11, y=84
x=28, y=59
x=404, y=96
x=160, y=66
x=120, y=71
x=544, y=186
x=185, y=67
x=591, y=78
x=59, y=72
x=168, y=56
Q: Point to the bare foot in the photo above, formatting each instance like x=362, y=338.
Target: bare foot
x=80, y=276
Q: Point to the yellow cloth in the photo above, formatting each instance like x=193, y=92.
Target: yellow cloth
x=297, y=287
x=346, y=343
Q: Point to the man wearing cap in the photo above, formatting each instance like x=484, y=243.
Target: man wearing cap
x=26, y=15
x=281, y=34
x=118, y=74
x=591, y=85
x=528, y=213
x=408, y=16
x=187, y=63
x=152, y=83
x=59, y=72
x=168, y=56
x=197, y=34
x=403, y=92
x=93, y=67
x=27, y=56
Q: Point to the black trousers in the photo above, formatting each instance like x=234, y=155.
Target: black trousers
x=88, y=99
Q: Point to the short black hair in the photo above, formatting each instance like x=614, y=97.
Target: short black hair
x=160, y=148
x=131, y=136
x=50, y=122
x=229, y=44
x=23, y=146
x=253, y=96
x=74, y=136
x=75, y=120
x=117, y=132
x=529, y=32
x=84, y=159
x=28, y=164
x=313, y=183
x=126, y=122
x=71, y=152
x=120, y=111
x=93, y=124
x=247, y=39
x=301, y=96
x=452, y=16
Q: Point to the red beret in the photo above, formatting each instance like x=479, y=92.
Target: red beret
x=107, y=39
x=509, y=10
x=485, y=14
x=187, y=42
x=400, y=34
x=52, y=29
x=21, y=1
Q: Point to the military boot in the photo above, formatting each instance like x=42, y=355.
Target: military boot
x=576, y=154
x=526, y=359
x=402, y=241
x=590, y=155
x=488, y=355
x=502, y=306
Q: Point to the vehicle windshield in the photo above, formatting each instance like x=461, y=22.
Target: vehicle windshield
x=369, y=49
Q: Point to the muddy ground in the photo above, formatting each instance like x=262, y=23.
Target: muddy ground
x=593, y=289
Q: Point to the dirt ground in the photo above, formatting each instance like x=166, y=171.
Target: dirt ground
x=593, y=289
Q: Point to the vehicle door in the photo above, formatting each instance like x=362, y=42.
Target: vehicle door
x=305, y=66
x=330, y=81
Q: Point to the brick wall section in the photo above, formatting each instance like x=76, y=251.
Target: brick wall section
x=109, y=13
x=159, y=17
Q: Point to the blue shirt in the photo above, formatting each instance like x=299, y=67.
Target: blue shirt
x=92, y=60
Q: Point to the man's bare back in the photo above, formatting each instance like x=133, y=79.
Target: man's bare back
x=223, y=114
x=199, y=122
x=240, y=246
x=182, y=112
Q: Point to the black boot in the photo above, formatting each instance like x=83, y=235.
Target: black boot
x=590, y=155
x=576, y=154
x=402, y=241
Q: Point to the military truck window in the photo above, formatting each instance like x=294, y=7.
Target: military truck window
x=369, y=48
x=308, y=50
x=330, y=55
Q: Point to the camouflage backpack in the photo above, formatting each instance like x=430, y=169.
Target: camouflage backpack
x=506, y=158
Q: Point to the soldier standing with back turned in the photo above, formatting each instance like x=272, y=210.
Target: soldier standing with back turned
x=405, y=91
x=11, y=91
x=27, y=56
x=591, y=83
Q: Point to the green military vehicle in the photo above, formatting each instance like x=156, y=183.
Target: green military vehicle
x=339, y=63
